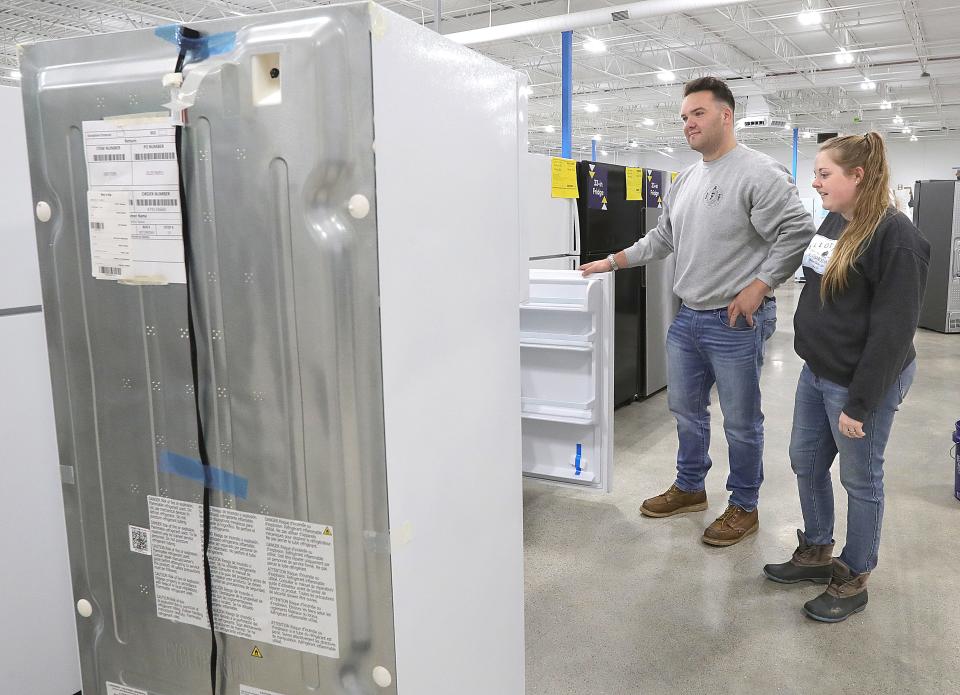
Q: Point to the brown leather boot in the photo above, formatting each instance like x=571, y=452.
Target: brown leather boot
x=809, y=563
x=674, y=501
x=846, y=595
x=731, y=527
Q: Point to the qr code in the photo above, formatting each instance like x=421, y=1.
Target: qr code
x=140, y=540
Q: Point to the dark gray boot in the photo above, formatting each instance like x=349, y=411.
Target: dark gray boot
x=809, y=563
x=846, y=595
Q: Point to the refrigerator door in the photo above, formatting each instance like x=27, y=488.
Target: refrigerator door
x=566, y=332
x=936, y=213
x=550, y=223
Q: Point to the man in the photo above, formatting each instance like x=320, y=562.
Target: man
x=738, y=229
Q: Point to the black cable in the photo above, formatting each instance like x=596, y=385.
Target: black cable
x=194, y=366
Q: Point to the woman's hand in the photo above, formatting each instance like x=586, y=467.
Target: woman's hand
x=851, y=428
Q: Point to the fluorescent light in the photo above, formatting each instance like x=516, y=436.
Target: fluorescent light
x=913, y=138
x=594, y=46
x=666, y=76
x=886, y=105
x=549, y=129
x=591, y=108
x=604, y=153
x=15, y=75
x=843, y=56
x=634, y=143
x=809, y=17
x=669, y=149
x=788, y=126
x=868, y=84
x=648, y=122
x=807, y=135
x=898, y=119
x=597, y=137
x=905, y=130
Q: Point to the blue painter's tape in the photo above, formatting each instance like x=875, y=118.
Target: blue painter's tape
x=213, y=478
x=199, y=48
x=577, y=462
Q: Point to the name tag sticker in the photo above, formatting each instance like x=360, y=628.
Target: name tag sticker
x=818, y=253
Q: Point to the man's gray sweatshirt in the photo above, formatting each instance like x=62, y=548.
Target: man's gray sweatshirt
x=730, y=221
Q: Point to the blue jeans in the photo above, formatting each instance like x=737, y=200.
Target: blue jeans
x=703, y=350
x=815, y=443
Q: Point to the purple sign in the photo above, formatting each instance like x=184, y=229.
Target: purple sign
x=597, y=199
x=653, y=196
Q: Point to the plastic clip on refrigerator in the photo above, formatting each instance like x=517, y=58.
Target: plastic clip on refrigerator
x=566, y=361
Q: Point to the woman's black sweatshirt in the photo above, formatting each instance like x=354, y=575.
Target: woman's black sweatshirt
x=863, y=338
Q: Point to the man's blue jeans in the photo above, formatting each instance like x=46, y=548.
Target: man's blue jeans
x=703, y=350
x=815, y=443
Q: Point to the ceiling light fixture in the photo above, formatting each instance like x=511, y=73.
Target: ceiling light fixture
x=597, y=137
x=526, y=90
x=843, y=56
x=886, y=105
x=905, y=130
x=594, y=46
x=648, y=122
x=868, y=84
x=591, y=108
x=669, y=149
x=807, y=135
x=913, y=138
x=666, y=76
x=603, y=152
x=549, y=129
x=898, y=119
x=634, y=143
x=15, y=75
x=809, y=17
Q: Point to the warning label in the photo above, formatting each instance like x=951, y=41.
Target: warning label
x=114, y=689
x=273, y=579
x=247, y=690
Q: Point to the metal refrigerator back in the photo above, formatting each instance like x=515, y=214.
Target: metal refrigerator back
x=289, y=340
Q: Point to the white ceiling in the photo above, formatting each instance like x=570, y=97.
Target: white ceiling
x=909, y=48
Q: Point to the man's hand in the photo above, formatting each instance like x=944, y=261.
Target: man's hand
x=747, y=302
x=850, y=428
x=595, y=267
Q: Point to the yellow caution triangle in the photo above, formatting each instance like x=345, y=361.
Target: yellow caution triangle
x=327, y=531
x=604, y=200
x=592, y=174
x=257, y=653
x=659, y=201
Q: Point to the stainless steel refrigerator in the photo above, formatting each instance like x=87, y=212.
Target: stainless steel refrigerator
x=352, y=361
x=936, y=213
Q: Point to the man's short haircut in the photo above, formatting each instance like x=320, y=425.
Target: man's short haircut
x=721, y=92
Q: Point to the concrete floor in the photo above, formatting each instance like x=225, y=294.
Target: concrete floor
x=621, y=604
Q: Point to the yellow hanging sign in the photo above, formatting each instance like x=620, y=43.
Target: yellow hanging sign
x=564, y=178
x=634, y=183
x=674, y=175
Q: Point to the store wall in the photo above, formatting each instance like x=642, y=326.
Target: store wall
x=38, y=641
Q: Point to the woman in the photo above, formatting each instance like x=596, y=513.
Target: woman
x=865, y=274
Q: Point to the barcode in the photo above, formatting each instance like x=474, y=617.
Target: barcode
x=140, y=540
x=140, y=156
x=156, y=202
x=110, y=270
x=96, y=225
x=109, y=157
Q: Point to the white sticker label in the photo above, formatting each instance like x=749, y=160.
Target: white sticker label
x=247, y=690
x=818, y=253
x=115, y=689
x=140, y=540
x=274, y=579
x=134, y=200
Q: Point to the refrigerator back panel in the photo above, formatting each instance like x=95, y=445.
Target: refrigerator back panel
x=286, y=303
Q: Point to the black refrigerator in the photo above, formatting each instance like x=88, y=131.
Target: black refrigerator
x=610, y=223
x=936, y=213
